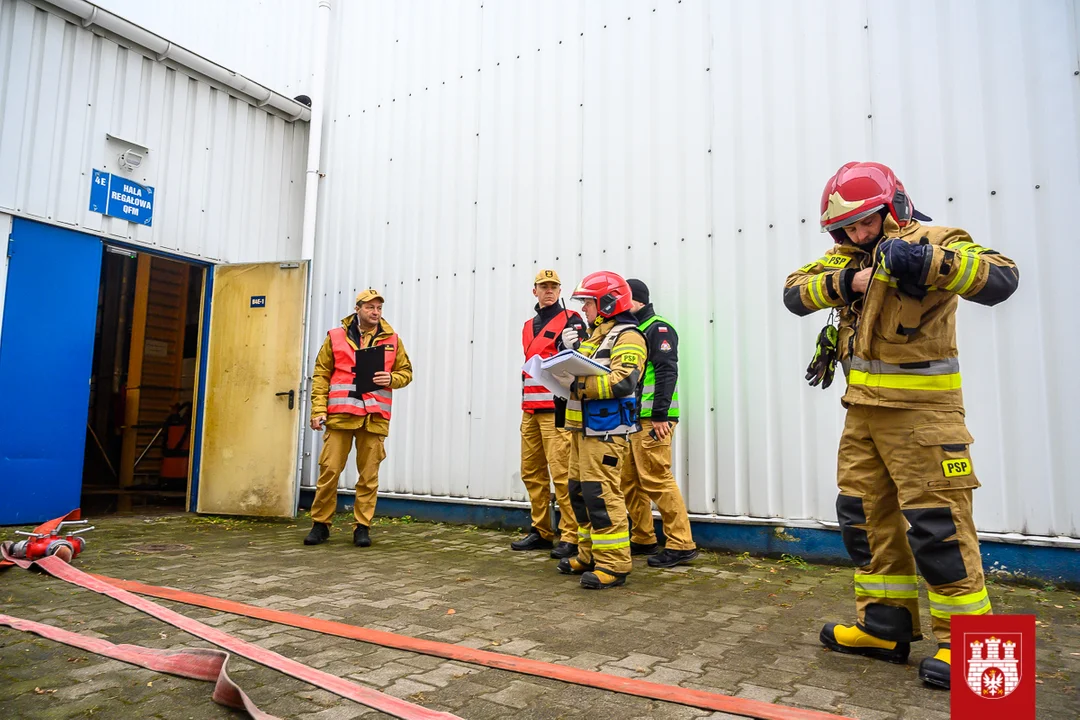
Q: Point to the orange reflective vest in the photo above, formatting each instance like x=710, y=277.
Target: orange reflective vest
x=343, y=397
x=535, y=396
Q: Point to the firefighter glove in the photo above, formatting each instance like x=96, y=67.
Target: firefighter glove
x=823, y=365
x=902, y=260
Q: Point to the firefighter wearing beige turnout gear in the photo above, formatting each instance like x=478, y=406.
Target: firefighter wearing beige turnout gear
x=350, y=416
x=602, y=411
x=646, y=476
x=545, y=447
x=904, y=464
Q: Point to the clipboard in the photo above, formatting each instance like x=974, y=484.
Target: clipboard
x=369, y=361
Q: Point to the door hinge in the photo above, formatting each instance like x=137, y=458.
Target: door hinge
x=289, y=266
x=10, y=246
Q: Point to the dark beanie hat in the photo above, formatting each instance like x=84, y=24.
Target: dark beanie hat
x=639, y=291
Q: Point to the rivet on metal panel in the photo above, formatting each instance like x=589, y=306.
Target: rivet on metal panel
x=1076, y=72
x=497, y=64
x=604, y=252
x=579, y=254
x=682, y=239
x=605, y=27
x=560, y=42
x=1037, y=187
x=993, y=192
x=950, y=199
x=869, y=116
x=654, y=242
x=627, y=247
x=710, y=234
x=740, y=229
x=708, y=69
x=770, y=225
x=804, y=220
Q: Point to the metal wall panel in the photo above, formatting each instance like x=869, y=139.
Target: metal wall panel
x=686, y=142
x=228, y=177
x=266, y=40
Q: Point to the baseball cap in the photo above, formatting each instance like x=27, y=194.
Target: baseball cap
x=547, y=276
x=369, y=295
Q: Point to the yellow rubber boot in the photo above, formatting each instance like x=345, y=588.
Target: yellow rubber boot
x=601, y=580
x=937, y=670
x=574, y=566
x=853, y=641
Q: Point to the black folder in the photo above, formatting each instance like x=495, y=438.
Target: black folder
x=369, y=361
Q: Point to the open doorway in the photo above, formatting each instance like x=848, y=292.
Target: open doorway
x=142, y=388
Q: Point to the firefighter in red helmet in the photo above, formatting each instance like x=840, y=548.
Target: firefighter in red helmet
x=602, y=412
x=904, y=465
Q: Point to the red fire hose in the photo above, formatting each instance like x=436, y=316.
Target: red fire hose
x=122, y=590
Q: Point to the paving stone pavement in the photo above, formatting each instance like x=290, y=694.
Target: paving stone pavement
x=732, y=624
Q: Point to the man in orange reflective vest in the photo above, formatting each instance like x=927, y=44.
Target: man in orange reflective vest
x=543, y=446
x=350, y=413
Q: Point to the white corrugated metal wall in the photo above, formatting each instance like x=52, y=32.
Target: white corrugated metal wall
x=686, y=143
x=228, y=176
x=268, y=40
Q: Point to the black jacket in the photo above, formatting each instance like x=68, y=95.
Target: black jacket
x=663, y=344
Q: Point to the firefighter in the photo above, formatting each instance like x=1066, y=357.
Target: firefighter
x=602, y=412
x=543, y=446
x=646, y=475
x=348, y=416
x=904, y=465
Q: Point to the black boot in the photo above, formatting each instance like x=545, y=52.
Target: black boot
x=320, y=533
x=670, y=558
x=643, y=548
x=564, y=550
x=532, y=541
x=360, y=537
x=937, y=670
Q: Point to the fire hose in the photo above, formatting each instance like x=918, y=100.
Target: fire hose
x=125, y=591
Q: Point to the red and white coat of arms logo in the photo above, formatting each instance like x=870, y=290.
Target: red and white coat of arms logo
x=993, y=666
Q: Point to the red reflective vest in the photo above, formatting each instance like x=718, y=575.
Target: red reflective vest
x=342, y=397
x=535, y=396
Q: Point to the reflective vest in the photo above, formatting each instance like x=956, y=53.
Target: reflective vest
x=603, y=418
x=535, y=396
x=648, y=384
x=343, y=397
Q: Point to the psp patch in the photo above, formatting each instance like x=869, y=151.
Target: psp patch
x=957, y=467
x=665, y=346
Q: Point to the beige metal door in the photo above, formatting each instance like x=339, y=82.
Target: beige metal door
x=253, y=375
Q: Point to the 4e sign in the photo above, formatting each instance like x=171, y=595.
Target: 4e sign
x=119, y=197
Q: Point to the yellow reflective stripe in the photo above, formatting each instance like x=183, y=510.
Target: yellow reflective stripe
x=913, y=579
x=887, y=586
x=945, y=606
x=624, y=347
x=573, y=414
x=603, y=387
x=895, y=594
x=974, y=272
x=611, y=536
x=965, y=260
x=815, y=291
x=905, y=382
x=884, y=277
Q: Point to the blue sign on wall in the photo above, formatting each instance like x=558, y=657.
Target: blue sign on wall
x=117, y=196
x=258, y=301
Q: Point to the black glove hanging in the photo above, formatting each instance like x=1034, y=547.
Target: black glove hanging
x=822, y=366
